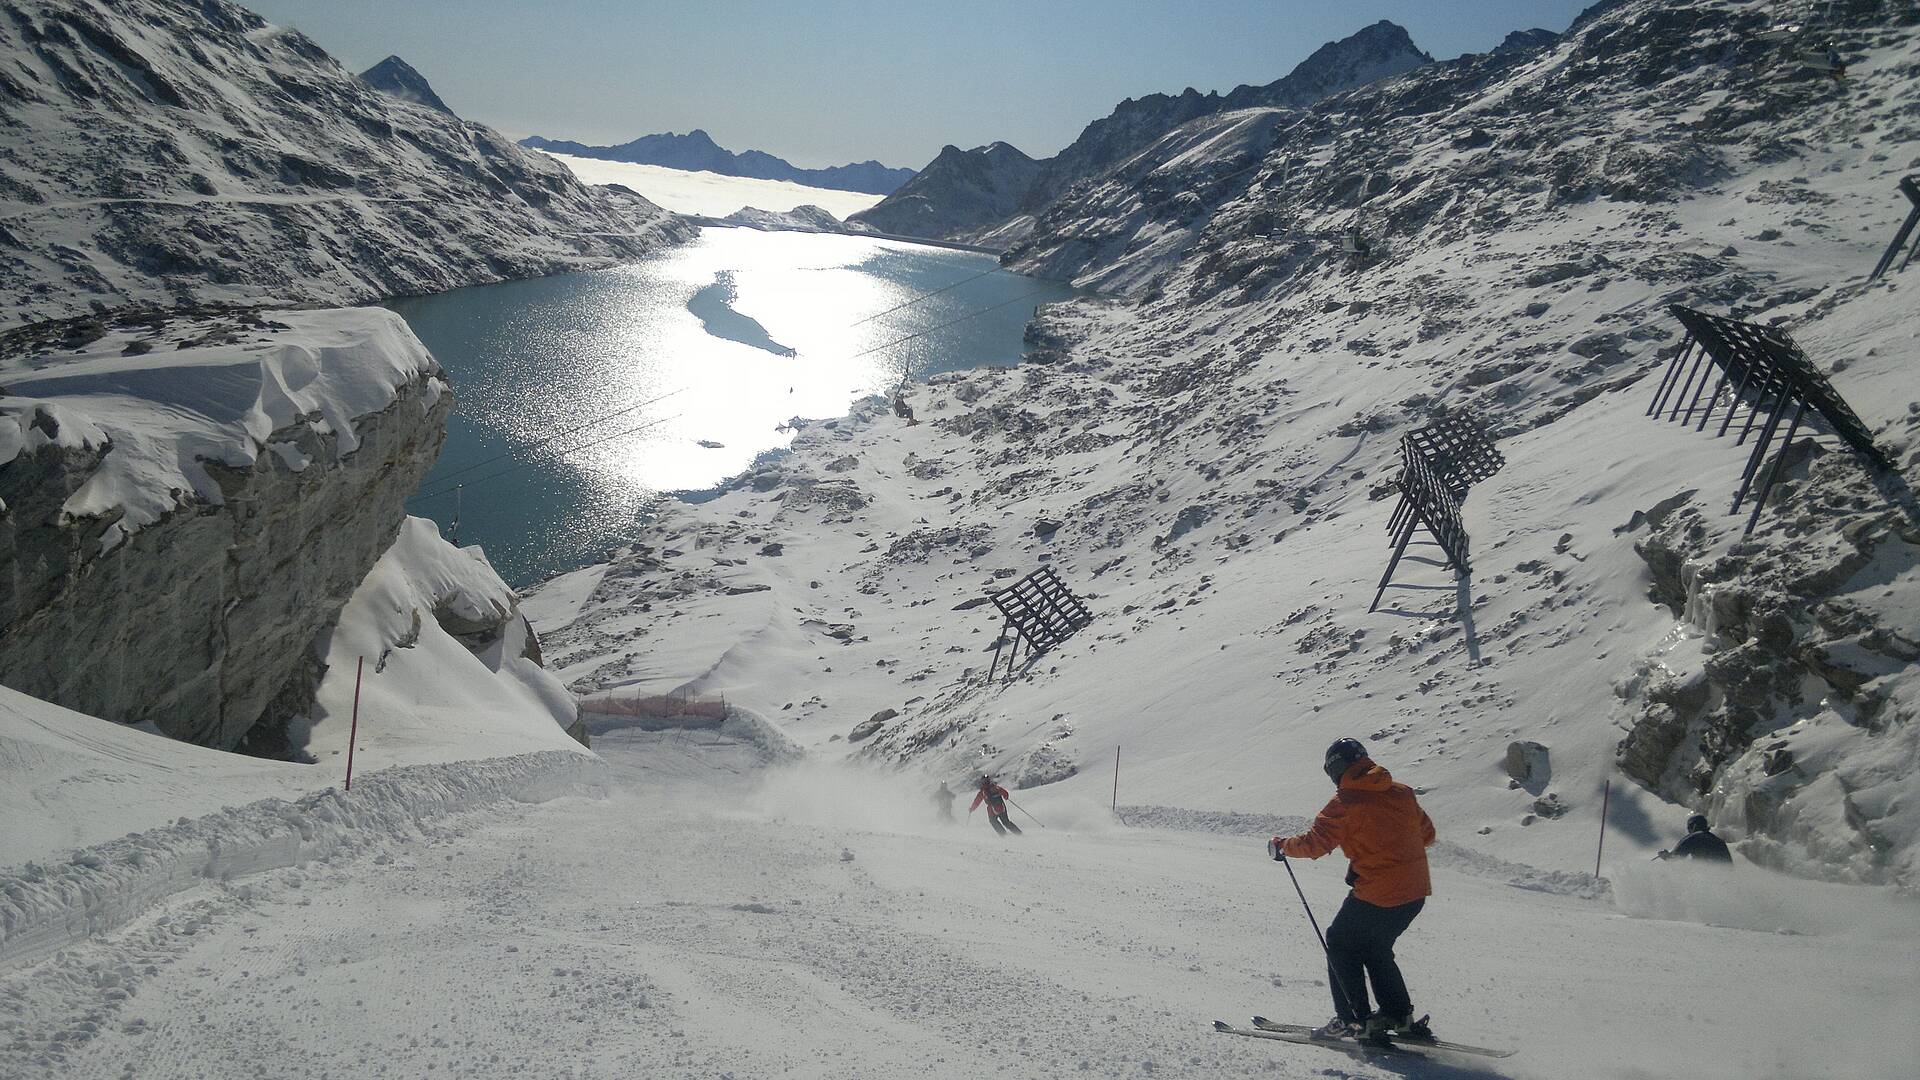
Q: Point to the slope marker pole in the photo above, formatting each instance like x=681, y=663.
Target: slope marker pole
x=353, y=734
x=1116, y=779
x=1606, y=797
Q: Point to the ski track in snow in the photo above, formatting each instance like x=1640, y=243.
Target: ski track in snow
x=711, y=920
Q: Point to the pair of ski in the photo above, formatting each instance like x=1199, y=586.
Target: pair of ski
x=1264, y=1028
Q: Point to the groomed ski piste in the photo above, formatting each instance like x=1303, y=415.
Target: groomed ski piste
x=762, y=900
x=712, y=915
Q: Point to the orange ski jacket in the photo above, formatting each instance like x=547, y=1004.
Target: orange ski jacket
x=1379, y=826
x=994, y=796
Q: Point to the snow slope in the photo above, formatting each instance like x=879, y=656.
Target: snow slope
x=712, y=918
x=712, y=194
x=1208, y=462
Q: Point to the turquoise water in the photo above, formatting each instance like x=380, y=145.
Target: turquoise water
x=727, y=338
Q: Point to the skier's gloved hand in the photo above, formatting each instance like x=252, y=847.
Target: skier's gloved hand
x=1274, y=849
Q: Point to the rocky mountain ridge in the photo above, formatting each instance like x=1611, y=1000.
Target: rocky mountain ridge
x=696, y=151
x=977, y=193
x=166, y=151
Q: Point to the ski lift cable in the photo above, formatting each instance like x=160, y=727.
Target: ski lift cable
x=455, y=488
x=927, y=295
x=538, y=443
x=951, y=322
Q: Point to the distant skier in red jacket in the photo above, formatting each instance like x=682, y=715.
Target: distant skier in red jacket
x=995, y=797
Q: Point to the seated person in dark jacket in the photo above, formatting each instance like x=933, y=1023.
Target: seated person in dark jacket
x=1700, y=843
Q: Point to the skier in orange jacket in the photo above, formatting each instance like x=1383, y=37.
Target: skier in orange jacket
x=995, y=797
x=1379, y=826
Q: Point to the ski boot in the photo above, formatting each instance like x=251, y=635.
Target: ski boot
x=1337, y=1028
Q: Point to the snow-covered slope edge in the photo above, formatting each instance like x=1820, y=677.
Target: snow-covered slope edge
x=45, y=907
x=446, y=723
x=161, y=150
x=1209, y=463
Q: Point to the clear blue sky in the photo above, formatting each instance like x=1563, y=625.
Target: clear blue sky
x=824, y=82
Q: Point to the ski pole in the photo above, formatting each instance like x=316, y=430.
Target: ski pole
x=1023, y=810
x=1315, y=923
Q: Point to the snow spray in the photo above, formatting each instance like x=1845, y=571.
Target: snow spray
x=1023, y=810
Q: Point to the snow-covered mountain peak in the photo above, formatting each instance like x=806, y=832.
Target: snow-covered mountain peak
x=1372, y=52
x=398, y=78
x=945, y=200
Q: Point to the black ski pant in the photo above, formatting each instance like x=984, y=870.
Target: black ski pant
x=1360, y=947
x=1003, y=824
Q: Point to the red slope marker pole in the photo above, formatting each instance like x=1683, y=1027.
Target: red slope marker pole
x=353, y=735
x=1116, y=780
x=1606, y=797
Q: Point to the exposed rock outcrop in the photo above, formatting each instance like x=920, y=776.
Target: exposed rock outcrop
x=1796, y=729
x=181, y=522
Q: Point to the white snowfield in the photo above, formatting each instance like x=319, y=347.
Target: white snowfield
x=161, y=414
x=715, y=918
x=707, y=194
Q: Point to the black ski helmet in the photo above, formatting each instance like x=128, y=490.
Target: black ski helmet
x=1697, y=823
x=1343, y=753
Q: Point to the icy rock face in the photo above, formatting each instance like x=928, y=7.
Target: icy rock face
x=1797, y=730
x=971, y=194
x=162, y=150
x=183, y=518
